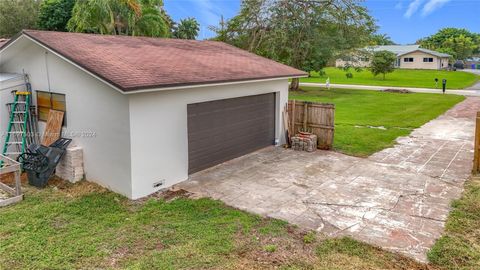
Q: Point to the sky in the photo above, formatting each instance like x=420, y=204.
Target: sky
x=405, y=21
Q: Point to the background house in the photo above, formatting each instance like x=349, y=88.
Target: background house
x=155, y=110
x=472, y=62
x=408, y=57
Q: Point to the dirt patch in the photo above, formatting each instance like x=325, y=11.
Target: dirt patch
x=398, y=91
x=9, y=179
x=167, y=195
x=124, y=252
x=257, y=250
x=74, y=190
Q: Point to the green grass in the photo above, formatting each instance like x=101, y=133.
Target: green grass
x=459, y=247
x=400, y=77
x=83, y=226
x=393, y=115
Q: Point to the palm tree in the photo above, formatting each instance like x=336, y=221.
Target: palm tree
x=119, y=17
x=187, y=29
x=381, y=39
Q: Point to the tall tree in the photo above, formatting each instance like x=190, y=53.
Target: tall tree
x=383, y=63
x=221, y=30
x=304, y=33
x=16, y=15
x=460, y=43
x=381, y=39
x=120, y=17
x=187, y=29
x=55, y=14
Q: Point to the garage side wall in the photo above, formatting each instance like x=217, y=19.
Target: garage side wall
x=159, y=135
x=97, y=115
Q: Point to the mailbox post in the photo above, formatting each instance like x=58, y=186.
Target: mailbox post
x=444, y=85
x=436, y=82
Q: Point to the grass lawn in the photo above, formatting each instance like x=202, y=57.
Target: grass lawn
x=459, y=247
x=83, y=226
x=390, y=114
x=400, y=77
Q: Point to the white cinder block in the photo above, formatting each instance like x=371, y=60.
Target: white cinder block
x=70, y=167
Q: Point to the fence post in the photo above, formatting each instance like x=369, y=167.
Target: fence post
x=293, y=118
x=476, y=154
x=305, y=115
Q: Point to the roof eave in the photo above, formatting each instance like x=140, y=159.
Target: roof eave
x=418, y=50
x=209, y=84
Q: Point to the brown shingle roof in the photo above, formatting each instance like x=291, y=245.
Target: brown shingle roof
x=133, y=63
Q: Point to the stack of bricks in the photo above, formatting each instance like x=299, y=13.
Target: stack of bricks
x=304, y=141
x=70, y=167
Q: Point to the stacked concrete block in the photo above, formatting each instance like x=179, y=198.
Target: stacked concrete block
x=70, y=167
x=304, y=141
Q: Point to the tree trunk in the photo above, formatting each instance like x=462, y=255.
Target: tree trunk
x=295, y=84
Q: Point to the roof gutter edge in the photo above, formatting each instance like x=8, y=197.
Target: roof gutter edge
x=189, y=86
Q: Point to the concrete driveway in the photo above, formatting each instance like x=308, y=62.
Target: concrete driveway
x=476, y=86
x=397, y=199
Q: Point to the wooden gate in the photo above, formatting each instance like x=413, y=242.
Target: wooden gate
x=316, y=118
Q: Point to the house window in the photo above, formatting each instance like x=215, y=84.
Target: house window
x=428, y=59
x=49, y=100
x=408, y=59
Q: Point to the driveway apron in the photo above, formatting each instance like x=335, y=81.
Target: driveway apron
x=397, y=199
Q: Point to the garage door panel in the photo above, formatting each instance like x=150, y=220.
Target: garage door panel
x=224, y=154
x=250, y=141
x=225, y=129
x=232, y=131
x=207, y=121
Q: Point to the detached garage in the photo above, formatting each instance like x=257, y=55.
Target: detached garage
x=159, y=109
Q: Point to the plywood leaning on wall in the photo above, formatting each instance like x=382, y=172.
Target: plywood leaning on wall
x=53, y=128
x=316, y=118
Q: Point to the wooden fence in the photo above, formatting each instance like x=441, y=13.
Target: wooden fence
x=316, y=118
x=476, y=149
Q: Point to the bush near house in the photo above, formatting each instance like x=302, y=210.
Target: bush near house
x=400, y=77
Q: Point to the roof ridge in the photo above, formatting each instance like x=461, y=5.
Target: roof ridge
x=119, y=36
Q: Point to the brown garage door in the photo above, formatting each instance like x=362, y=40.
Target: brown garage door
x=224, y=129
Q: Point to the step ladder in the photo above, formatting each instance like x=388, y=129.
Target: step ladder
x=22, y=125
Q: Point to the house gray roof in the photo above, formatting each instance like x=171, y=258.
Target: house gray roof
x=405, y=49
x=438, y=54
x=396, y=49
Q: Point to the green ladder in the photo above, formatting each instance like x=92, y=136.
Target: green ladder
x=16, y=139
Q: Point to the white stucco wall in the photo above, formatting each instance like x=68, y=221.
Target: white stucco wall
x=92, y=107
x=159, y=137
x=418, y=61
